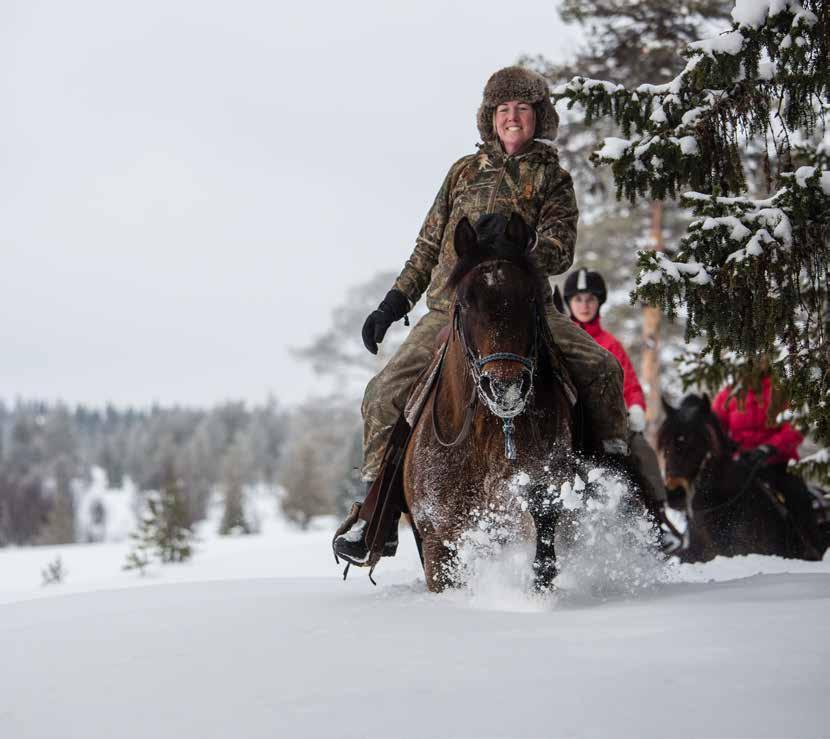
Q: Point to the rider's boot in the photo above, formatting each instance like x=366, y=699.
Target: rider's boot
x=643, y=468
x=349, y=541
x=646, y=469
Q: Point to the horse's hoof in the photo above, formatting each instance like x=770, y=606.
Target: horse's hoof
x=545, y=588
x=544, y=583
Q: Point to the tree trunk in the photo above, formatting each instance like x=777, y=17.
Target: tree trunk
x=650, y=358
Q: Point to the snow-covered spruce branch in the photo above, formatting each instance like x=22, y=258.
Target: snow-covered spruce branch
x=752, y=276
x=730, y=230
x=816, y=466
x=735, y=246
x=774, y=62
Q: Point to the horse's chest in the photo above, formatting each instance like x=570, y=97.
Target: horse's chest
x=463, y=488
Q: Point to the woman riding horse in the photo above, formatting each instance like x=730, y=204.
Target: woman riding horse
x=733, y=507
x=585, y=293
x=493, y=444
x=516, y=169
x=767, y=445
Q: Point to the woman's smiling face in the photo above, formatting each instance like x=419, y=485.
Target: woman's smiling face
x=515, y=123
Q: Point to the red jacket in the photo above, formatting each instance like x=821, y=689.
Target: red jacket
x=747, y=424
x=632, y=392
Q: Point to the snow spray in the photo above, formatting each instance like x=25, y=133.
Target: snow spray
x=606, y=546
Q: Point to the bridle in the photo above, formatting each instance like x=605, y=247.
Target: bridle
x=475, y=366
x=701, y=468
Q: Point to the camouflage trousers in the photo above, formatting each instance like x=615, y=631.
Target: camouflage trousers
x=595, y=372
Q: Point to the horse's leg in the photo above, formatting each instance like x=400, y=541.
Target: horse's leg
x=440, y=567
x=544, y=565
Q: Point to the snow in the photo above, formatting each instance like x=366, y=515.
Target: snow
x=701, y=277
x=802, y=174
x=737, y=229
x=696, y=272
x=731, y=42
x=689, y=146
x=753, y=13
x=822, y=456
x=259, y=636
x=658, y=115
x=613, y=148
x=690, y=116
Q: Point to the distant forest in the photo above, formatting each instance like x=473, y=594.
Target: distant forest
x=47, y=452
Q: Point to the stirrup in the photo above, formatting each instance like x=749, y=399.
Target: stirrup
x=348, y=542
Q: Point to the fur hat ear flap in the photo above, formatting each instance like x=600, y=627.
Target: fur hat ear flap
x=464, y=239
x=518, y=83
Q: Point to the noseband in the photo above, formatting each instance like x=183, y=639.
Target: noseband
x=476, y=365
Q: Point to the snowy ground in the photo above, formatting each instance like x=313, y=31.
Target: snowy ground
x=259, y=637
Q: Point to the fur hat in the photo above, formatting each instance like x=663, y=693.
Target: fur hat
x=518, y=83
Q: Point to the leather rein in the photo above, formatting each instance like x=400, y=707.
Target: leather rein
x=729, y=502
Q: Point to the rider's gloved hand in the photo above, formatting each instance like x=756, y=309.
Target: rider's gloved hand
x=759, y=455
x=392, y=308
x=637, y=419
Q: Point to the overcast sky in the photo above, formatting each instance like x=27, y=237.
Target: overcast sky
x=189, y=187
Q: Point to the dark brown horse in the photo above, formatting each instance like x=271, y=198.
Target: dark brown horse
x=498, y=416
x=731, y=509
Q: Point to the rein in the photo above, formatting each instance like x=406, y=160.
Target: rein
x=753, y=473
x=468, y=415
x=750, y=478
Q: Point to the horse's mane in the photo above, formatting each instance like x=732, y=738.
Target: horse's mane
x=694, y=413
x=493, y=245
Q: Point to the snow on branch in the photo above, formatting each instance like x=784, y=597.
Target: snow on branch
x=773, y=64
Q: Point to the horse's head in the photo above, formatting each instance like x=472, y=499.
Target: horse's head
x=497, y=309
x=689, y=436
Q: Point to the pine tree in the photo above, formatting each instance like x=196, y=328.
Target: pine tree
x=627, y=41
x=234, y=467
x=54, y=573
x=751, y=274
x=309, y=487
x=164, y=531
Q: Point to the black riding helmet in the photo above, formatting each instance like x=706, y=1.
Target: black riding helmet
x=585, y=281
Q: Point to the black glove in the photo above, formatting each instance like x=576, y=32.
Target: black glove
x=756, y=457
x=393, y=307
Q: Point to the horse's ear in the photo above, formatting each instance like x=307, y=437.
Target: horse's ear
x=517, y=231
x=465, y=239
x=669, y=409
x=558, y=301
x=707, y=404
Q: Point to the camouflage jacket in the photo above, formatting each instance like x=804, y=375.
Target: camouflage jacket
x=531, y=183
